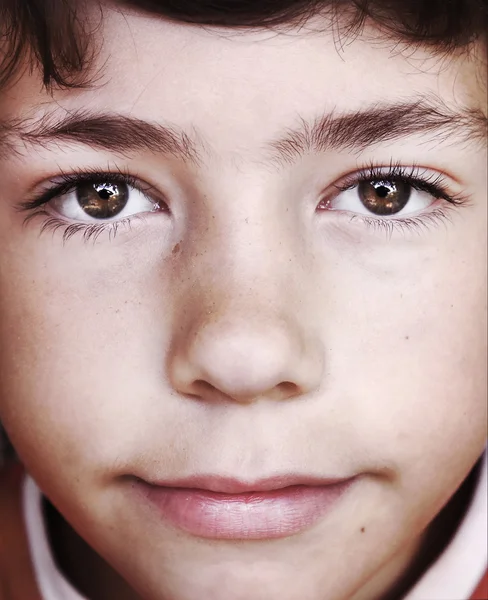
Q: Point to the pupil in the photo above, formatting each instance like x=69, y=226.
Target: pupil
x=102, y=200
x=104, y=194
x=382, y=191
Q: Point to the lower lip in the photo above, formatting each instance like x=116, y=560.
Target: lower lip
x=245, y=516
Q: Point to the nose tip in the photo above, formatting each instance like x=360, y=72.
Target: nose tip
x=243, y=363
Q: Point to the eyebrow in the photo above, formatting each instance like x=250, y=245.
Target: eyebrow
x=354, y=131
x=380, y=123
x=107, y=131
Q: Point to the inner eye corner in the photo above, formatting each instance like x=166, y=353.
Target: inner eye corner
x=324, y=203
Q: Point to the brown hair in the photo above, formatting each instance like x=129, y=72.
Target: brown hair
x=54, y=35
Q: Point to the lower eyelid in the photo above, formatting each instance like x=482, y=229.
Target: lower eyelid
x=87, y=231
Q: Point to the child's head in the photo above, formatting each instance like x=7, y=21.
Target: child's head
x=247, y=252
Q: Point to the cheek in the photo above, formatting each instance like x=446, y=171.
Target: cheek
x=77, y=343
x=415, y=378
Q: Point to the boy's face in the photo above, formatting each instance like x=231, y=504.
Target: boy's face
x=261, y=322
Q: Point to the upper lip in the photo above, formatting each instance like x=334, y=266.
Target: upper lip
x=230, y=485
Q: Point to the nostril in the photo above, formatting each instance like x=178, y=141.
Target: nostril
x=288, y=389
x=204, y=390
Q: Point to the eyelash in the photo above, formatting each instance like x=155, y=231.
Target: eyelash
x=416, y=177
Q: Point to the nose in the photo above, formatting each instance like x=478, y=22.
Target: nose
x=243, y=327
x=245, y=359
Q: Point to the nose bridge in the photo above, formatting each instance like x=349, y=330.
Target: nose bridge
x=243, y=259
x=244, y=248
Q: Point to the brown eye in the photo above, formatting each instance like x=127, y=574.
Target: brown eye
x=386, y=197
x=102, y=200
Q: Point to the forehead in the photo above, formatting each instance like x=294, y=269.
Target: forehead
x=236, y=85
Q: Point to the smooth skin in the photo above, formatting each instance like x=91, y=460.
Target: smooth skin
x=247, y=328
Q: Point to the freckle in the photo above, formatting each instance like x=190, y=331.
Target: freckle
x=407, y=337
